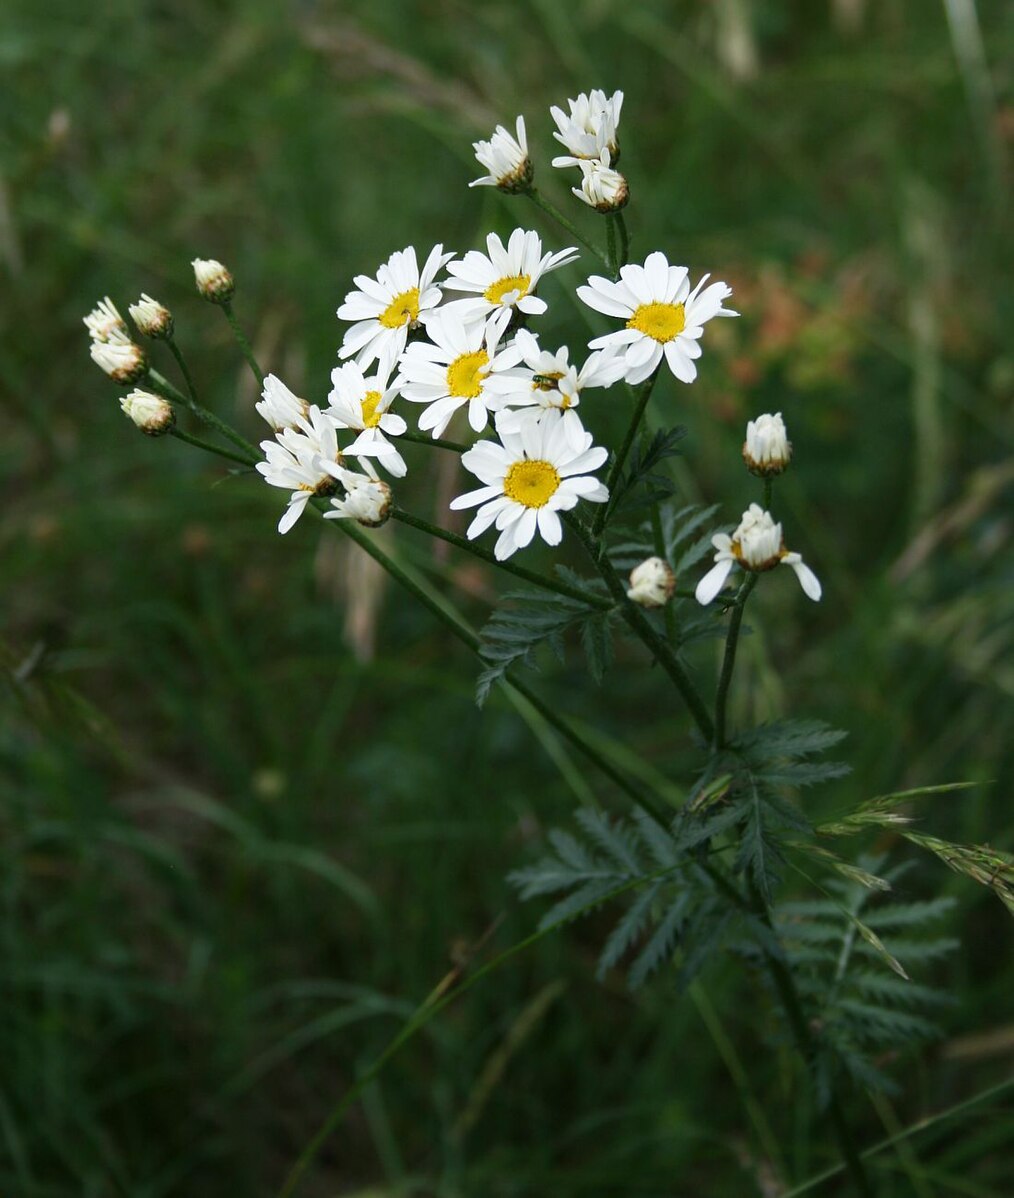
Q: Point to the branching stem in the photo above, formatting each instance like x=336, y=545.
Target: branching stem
x=241, y=340
x=540, y=201
x=729, y=660
x=620, y=460
x=162, y=385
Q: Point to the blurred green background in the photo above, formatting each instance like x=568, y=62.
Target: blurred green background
x=249, y=813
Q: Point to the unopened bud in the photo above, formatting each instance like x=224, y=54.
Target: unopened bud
x=767, y=449
x=152, y=318
x=120, y=358
x=367, y=500
x=151, y=413
x=652, y=583
x=214, y=281
x=602, y=188
x=104, y=321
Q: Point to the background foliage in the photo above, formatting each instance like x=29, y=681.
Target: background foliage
x=249, y=813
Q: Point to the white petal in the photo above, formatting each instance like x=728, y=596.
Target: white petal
x=807, y=579
x=712, y=582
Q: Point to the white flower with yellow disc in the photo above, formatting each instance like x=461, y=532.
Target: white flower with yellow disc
x=387, y=307
x=504, y=278
x=550, y=382
x=528, y=478
x=756, y=545
x=662, y=314
x=363, y=404
x=453, y=370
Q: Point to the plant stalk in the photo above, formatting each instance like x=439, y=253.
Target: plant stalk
x=540, y=201
x=729, y=660
x=620, y=460
x=241, y=340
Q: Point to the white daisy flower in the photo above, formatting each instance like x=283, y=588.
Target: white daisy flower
x=357, y=402
x=104, y=322
x=530, y=477
x=120, y=358
x=279, y=406
x=453, y=369
x=602, y=188
x=663, y=316
x=386, y=308
x=652, y=583
x=757, y=545
x=589, y=128
x=304, y=460
x=151, y=413
x=505, y=278
x=767, y=448
x=152, y=318
x=506, y=159
x=550, y=382
x=214, y=281
x=367, y=500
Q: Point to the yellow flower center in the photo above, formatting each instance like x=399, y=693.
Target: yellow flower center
x=661, y=322
x=371, y=417
x=531, y=484
x=464, y=378
x=495, y=292
x=403, y=309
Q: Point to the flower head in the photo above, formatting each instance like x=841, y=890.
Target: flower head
x=528, y=478
x=757, y=545
x=304, y=460
x=767, y=448
x=279, y=406
x=367, y=500
x=663, y=316
x=505, y=277
x=652, y=583
x=357, y=402
x=602, y=188
x=453, y=369
x=549, y=382
x=589, y=127
x=506, y=159
x=152, y=318
x=104, y=322
x=386, y=308
x=214, y=281
x=151, y=413
x=120, y=358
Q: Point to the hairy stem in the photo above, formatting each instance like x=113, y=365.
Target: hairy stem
x=614, y=265
x=180, y=435
x=241, y=340
x=621, y=228
x=639, y=623
x=532, y=576
x=426, y=439
x=729, y=660
x=162, y=385
x=540, y=201
x=177, y=353
x=620, y=460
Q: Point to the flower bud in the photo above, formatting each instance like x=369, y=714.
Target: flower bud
x=767, y=449
x=367, y=500
x=152, y=318
x=120, y=358
x=151, y=413
x=104, y=321
x=652, y=583
x=214, y=282
x=602, y=188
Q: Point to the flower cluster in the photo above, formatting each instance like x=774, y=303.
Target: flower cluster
x=452, y=336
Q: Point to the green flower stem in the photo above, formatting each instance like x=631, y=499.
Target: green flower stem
x=729, y=660
x=439, y=442
x=539, y=580
x=767, y=493
x=174, y=395
x=180, y=435
x=658, y=536
x=241, y=340
x=639, y=623
x=614, y=265
x=618, y=462
x=540, y=201
x=788, y=995
x=184, y=370
x=621, y=228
